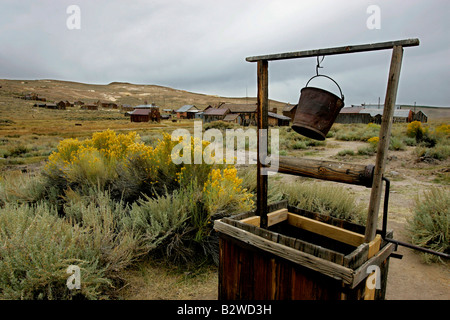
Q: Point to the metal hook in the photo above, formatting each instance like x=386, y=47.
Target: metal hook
x=318, y=64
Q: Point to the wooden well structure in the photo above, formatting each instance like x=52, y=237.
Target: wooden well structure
x=283, y=252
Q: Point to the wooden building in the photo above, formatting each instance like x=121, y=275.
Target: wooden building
x=187, y=112
x=278, y=120
x=289, y=110
x=89, y=107
x=420, y=116
x=212, y=114
x=145, y=115
x=246, y=112
x=140, y=115
x=233, y=118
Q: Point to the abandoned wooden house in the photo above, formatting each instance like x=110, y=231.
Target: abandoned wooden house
x=62, y=105
x=278, y=120
x=145, y=115
x=289, y=110
x=140, y=115
x=361, y=114
x=246, y=112
x=89, y=107
x=187, y=112
x=353, y=115
x=420, y=116
x=126, y=107
x=232, y=118
x=212, y=114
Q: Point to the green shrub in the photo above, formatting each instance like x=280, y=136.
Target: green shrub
x=439, y=152
x=367, y=151
x=325, y=199
x=37, y=248
x=346, y=152
x=396, y=144
x=17, y=151
x=429, y=226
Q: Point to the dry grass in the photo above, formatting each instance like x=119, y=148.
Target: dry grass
x=155, y=280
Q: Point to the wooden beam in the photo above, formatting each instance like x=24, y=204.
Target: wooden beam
x=335, y=50
x=383, y=143
x=374, y=246
x=361, y=273
x=272, y=218
x=327, y=170
x=262, y=120
x=325, y=229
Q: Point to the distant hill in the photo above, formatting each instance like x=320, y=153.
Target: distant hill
x=119, y=93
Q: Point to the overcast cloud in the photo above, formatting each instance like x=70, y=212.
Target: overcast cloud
x=201, y=45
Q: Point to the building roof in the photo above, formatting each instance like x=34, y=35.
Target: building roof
x=289, y=107
x=398, y=113
x=187, y=108
x=141, y=112
x=351, y=110
x=278, y=116
x=216, y=112
x=231, y=117
x=145, y=106
x=239, y=108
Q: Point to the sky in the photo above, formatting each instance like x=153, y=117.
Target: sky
x=201, y=45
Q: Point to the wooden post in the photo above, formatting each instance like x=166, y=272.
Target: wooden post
x=262, y=114
x=383, y=143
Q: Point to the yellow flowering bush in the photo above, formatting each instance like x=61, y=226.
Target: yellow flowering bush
x=374, y=140
x=223, y=192
x=443, y=130
x=415, y=130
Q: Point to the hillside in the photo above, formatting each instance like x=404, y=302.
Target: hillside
x=117, y=92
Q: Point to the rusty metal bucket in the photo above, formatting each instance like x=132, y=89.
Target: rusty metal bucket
x=317, y=110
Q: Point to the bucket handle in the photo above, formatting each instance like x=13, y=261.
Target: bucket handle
x=322, y=75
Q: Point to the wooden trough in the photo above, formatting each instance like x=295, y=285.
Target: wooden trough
x=301, y=256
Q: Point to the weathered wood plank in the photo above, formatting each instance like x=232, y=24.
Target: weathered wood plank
x=383, y=143
x=318, y=251
x=335, y=50
x=374, y=246
x=356, y=258
x=272, y=218
x=361, y=273
x=325, y=229
x=325, y=267
x=262, y=122
x=327, y=170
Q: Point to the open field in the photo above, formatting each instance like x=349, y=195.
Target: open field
x=29, y=135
